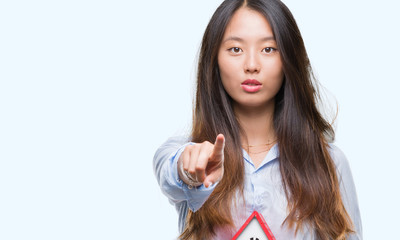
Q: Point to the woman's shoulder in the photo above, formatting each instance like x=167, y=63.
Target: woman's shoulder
x=339, y=158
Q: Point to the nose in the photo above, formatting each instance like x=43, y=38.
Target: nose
x=252, y=64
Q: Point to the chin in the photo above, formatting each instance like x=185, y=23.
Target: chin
x=254, y=104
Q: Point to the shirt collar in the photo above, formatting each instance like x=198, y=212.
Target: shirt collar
x=272, y=154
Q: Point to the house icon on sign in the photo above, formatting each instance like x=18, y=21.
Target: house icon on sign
x=255, y=228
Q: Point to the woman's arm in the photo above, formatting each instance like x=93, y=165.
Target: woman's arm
x=166, y=170
x=348, y=190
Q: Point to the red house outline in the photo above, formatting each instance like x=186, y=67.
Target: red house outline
x=262, y=223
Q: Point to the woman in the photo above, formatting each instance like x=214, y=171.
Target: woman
x=258, y=141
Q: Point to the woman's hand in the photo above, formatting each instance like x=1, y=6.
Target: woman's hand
x=202, y=162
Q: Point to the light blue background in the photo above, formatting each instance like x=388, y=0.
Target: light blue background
x=90, y=89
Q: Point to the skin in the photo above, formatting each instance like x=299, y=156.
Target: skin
x=248, y=51
x=204, y=161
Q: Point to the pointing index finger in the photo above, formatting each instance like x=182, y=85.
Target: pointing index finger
x=219, y=146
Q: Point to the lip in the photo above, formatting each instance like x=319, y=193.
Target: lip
x=251, y=82
x=251, y=85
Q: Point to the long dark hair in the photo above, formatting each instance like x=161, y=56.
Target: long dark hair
x=308, y=172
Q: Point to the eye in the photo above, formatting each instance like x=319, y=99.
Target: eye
x=269, y=50
x=235, y=50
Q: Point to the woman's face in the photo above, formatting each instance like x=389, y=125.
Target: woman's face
x=249, y=63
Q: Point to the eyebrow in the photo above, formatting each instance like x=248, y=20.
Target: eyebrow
x=234, y=38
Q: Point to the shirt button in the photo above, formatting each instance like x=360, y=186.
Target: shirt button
x=259, y=200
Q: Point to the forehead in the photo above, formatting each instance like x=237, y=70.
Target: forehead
x=248, y=24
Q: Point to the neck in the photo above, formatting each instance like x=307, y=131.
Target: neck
x=256, y=123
